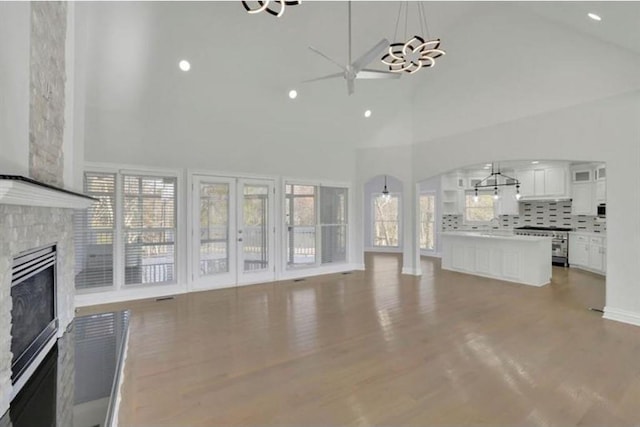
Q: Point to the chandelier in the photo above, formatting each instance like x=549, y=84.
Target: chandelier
x=415, y=53
x=493, y=181
x=274, y=7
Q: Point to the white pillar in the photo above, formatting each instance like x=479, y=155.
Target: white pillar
x=411, y=238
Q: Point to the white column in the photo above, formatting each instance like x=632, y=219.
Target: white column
x=411, y=238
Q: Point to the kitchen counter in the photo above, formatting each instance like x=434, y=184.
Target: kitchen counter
x=500, y=235
x=588, y=233
x=513, y=258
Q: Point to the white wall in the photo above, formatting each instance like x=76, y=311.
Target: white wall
x=15, y=34
x=372, y=188
x=505, y=63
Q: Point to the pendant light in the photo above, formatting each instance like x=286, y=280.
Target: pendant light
x=493, y=181
x=273, y=7
x=385, y=191
x=416, y=52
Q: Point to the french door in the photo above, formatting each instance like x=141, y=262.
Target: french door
x=233, y=232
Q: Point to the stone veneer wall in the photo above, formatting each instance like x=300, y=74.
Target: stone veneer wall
x=47, y=87
x=23, y=228
x=535, y=213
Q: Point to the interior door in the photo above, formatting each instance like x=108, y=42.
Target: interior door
x=255, y=232
x=233, y=232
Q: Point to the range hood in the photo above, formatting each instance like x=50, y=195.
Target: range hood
x=20, y=190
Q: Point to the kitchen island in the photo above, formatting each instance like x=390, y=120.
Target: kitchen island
x=519, y=259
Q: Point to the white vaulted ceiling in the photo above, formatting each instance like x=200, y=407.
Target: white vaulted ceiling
x=504, y=60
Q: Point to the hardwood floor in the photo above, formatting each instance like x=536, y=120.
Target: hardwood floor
x=375, y=347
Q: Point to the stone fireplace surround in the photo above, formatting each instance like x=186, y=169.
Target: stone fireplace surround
x=23, y=228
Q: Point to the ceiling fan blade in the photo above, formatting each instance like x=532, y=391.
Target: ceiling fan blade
x=370, y=55
x=329, y=76
x=351, y=86
x=313, y=49
x=377, y=74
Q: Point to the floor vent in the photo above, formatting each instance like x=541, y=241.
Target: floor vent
x=298, y=280
x=347, y=272
x=596, y=309
x=164, y=298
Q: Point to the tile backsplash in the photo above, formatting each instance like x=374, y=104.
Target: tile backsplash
x=534, y=213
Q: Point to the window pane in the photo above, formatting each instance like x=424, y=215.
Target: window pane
x=149, y=229
x=333, y=219
x=386, y=221
x=333, y=209
x=427, y=222
x=334, y=243
x=94, y=232
x=214, y=228
x=301, y=245
x=481, y=210
x=255, y=240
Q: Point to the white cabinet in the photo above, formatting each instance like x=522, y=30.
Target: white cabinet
x=578, y=250
x=452, y=194
x=588, y=252
x=601, y=192
x=583, y=203
x=554, y=182
x=546, y=182
x=508, y=204
x=588, y=188
x=581, y=175
x=526, y=182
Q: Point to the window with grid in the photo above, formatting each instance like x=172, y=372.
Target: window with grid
x=300, y=213
x=149, y=229
x=333, y=224
x=482, y=210
x=94, y=231
x=427, y=221
x=386, y=224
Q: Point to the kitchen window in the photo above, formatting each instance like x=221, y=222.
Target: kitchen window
x=481, y=211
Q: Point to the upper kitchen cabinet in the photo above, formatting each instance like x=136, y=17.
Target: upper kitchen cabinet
x=452, y=192
x=544, y=182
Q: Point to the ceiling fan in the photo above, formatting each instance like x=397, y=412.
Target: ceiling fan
x=356, y=69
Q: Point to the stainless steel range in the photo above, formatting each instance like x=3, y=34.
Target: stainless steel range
x=559, y=241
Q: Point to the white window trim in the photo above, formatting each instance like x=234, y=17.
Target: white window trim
x=287, y=269
x=123, y=291
x=379, y=248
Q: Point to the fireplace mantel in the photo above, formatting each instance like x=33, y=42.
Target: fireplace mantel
x=20, y=190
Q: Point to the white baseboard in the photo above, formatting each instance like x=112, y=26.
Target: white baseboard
x=358, y=266
x=624, y=316
x=384, y=250
x=412, y=271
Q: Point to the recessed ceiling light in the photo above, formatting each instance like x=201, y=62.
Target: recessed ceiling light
x=184, y=65
x=367, y=113
x=488, y=164
x=487, y=167
x=594, y=16
x=535, y=162
x=293, y=94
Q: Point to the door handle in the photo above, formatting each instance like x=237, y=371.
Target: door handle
x=240, y=239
